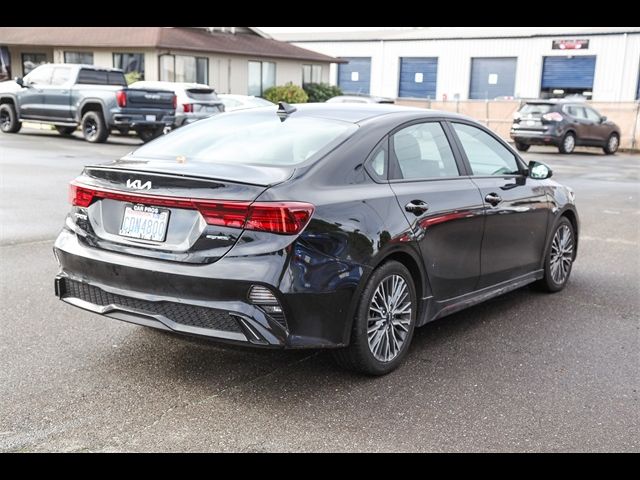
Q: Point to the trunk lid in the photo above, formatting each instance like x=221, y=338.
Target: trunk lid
x=171, y=195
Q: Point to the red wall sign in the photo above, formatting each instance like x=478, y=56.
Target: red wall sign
x=570, y=44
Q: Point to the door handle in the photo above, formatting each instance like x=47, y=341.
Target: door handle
x=417, y=207
x=493, y=198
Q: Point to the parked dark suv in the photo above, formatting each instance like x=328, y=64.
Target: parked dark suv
x=563, y=124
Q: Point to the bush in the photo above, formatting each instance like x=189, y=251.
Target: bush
x=132, y=77
x=289, y=93
x=321, y=92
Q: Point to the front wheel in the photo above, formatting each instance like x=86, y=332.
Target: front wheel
x=522, y=147
x=568, y=143
x=384, y=323
x=9, y=119
x=149, y=134
x=612, y=144
x=559, y=259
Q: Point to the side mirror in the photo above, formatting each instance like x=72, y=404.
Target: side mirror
x=539, y=170
x=603, y=119
x=19, y=81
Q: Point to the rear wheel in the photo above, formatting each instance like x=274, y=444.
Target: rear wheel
x=9, y=119
x=384, y=323
x=560, y=255
x=150, y=133
x=522, y=147
x=94, y=128
x=66, y=131
x=612, y=144
x=568, y=143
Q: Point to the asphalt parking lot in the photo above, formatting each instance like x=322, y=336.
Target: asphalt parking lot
x=524, y=372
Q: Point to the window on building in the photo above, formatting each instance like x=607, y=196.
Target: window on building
x=84, y=58
x=311, y=74
x=184, y=68
x=129, y=62
x=31, y=61
x=5, y=64
x=262, y=75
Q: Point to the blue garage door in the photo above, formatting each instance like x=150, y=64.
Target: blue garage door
x=492, y=77
x=355, y=76
x=568, y=72
x=418, y=77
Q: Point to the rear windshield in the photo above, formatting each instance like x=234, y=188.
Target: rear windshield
x=201, y=93
x=101, y=77
x=251, y=137
x=535, y=109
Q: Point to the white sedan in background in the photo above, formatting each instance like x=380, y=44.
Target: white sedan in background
x=242, y=102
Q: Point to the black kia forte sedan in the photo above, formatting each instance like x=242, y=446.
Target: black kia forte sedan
x=564, y=124
x=316, y=226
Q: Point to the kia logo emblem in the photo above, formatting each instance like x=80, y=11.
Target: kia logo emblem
x=138, y=185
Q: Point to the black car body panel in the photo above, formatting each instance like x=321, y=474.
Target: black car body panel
x=460, y=251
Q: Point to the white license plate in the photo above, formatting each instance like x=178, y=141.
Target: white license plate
x=145, y=223
x=150, y=118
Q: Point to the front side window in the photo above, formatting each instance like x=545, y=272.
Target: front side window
x=262, y=75
x=592, y=115
x=40, y=76
x=61, y=75
x=130, y=62
x=486, y=155
x=250, y=137
x=423, y=151
x=31, y=61
x=84, y=58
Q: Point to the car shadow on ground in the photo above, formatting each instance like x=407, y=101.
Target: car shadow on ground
x=77, y=137
x=208, y=366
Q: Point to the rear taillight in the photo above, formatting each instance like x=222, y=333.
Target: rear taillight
x=187, y=107
x=287, y=218
x=552, y=117
x=121, y=98
x=79, y=196
x=175, y=102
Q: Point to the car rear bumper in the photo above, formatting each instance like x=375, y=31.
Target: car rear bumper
x=204, y=300
x=533, y=137
x=142, y=121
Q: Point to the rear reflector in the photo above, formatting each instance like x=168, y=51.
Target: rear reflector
x=288, y=218
x=187, y=107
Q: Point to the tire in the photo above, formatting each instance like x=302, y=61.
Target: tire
x=367, y=351
x=94, y=128
x=613, y=142
x=568, y=143
x=66, y=131
x=522, y=147
x=9, y=119
x=555, y=280
x=149, y=134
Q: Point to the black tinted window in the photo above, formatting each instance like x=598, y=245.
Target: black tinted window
x=423, y=151
x=100, y=77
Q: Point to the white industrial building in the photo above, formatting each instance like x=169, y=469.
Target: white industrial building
x=601, y=63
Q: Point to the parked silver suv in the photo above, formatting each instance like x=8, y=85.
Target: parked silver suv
x=195, y=101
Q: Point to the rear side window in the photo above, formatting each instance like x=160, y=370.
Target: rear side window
x=423, y=151
x=61, y=76
x=101, y=77
x=486, y=155
x=576, y=112
x=250, y=137
x=535, y=109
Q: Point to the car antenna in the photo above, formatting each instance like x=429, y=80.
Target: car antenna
x=284, y=110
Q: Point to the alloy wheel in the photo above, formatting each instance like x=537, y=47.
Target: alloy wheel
x=5, y=120
x=569, y=143
x=613, y=143
x=389, y=318
x=561, y=254
x=90, y=128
